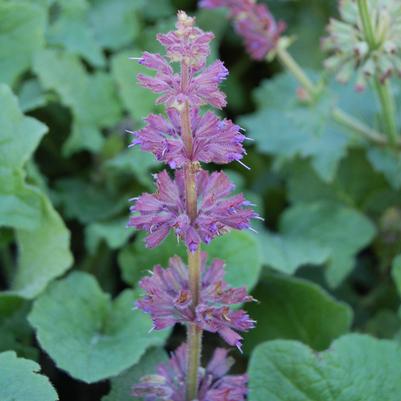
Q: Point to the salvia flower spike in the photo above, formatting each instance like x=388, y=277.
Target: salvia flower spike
x=197, y=206
x=350, y=48
x=254, y=23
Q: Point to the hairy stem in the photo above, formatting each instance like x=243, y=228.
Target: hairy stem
x=194, y=333
x=339, y=115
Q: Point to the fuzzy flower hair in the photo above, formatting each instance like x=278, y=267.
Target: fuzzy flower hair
x=168, y=300
x=168, y=384
x=166, y=209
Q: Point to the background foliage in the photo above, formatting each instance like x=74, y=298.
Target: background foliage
x=324, y=263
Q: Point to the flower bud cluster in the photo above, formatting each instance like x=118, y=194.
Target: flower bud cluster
x=350, y=48
x=254, y=23
x=184, y=138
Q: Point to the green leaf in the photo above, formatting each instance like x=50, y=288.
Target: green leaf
x=356, y=184
x=115, y=233
x=87, y=202
x=137, y=100
x=94, y=338
x=384, y=324
x=20, y=380
x=243, y=256
x=158, y=9
x=22, y=27
x=19, y=135
x=19, y=203
x=240, y=250
x=135, y=162
x=387, y=162
x=286, y=253
x=15, y=332
x=72, y=31
x=44, y=253
x=355, y=368
x=115, y=23
x=92, y=98
x=121, y=386
x=396, y=272
x=291, y=308
x=286, y=128
x=321, y=226
x=31, y=95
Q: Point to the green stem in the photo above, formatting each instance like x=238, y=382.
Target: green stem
x=338, y=114
x=194, y=333
x=367, y=23
x=290, y=64
x=388, y=110
x=382, y=88
x=356, y=125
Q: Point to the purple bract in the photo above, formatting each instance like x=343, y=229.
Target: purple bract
x=168, y=300
x=166, y=209
x=214, y=384
x=214, y=140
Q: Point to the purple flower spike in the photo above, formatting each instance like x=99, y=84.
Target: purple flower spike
x=166, y=209
x=214, y=140
x=214, y=384
x=188, y=43
x=254, y=23
x=168, y=300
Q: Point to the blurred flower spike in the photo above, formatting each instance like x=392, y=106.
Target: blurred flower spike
x=353, y=51
x=254, y=22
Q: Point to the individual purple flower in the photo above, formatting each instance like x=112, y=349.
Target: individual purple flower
x=214, y=140
x=254, y=23
x=214, y=384
x=166, y=209
x=168, y=300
